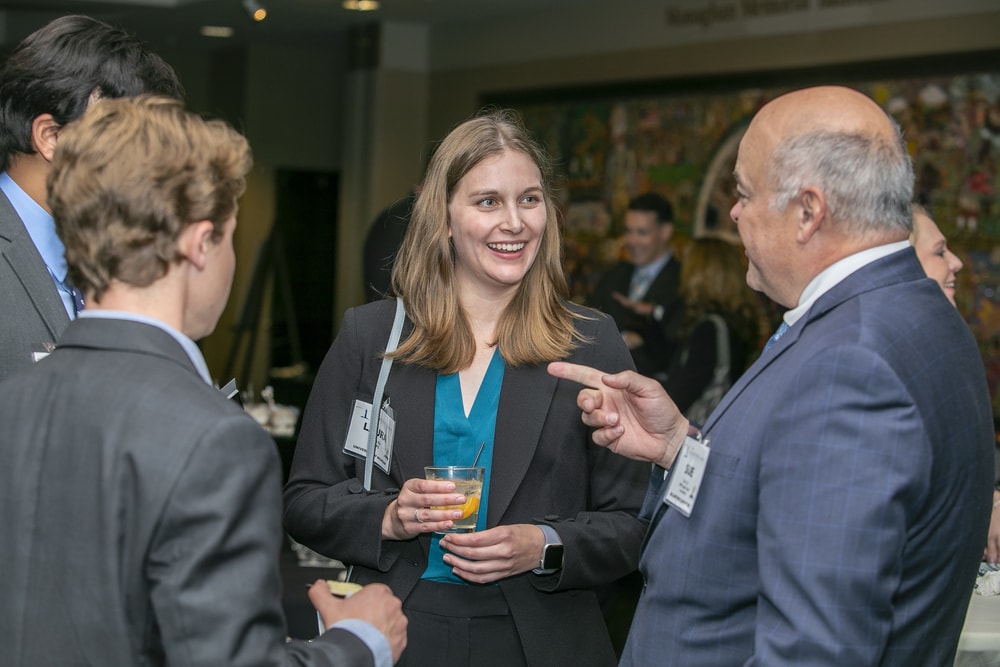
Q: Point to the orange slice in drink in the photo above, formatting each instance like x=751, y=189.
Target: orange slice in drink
x=470, y=505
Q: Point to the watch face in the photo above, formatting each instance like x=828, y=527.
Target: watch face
x=552, y=557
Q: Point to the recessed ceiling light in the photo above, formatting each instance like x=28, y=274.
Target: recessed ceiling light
x=216, y=31
x=360, y=5
x=256, y=11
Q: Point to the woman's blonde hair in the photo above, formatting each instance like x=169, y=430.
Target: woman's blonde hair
x=713, y=280
x=537, y=326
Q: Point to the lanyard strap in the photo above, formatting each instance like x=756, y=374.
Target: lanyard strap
x=383, y=375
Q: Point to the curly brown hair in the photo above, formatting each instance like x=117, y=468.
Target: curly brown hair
x=122, y=188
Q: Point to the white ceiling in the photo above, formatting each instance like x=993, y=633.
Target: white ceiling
x=177, y=22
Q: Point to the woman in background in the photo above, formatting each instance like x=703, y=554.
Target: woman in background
x=942, y=266
x=717, y=302
x=480, y=275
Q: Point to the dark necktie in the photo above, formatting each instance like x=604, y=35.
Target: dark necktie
x=65, y=286
x=76, y=294
x=77, y=298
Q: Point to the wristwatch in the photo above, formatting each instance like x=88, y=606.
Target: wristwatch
x=658, y=312
x=552, y=559
x=552, y=553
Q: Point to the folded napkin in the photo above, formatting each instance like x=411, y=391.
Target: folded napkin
x=988, y=580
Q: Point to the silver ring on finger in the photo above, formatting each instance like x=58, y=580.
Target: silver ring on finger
x=416, y=515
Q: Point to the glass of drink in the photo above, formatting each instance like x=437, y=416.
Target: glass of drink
x=468, y=482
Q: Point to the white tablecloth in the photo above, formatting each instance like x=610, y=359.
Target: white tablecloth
x=979, y=645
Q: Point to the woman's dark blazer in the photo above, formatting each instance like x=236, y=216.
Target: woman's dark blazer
x=546, y=469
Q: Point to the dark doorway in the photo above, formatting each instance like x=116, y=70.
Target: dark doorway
x=307, y=221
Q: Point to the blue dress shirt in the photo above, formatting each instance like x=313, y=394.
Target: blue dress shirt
x=42, y=230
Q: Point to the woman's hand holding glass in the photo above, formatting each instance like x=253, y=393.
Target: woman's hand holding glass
x=410, y=514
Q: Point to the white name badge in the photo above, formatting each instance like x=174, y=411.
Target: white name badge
x=688, y=469
x=357, y=434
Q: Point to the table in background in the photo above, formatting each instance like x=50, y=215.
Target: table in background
x=979, y=644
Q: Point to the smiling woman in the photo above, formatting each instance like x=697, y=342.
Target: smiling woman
x=480, y=275
x=488, y=183
x=496, y=218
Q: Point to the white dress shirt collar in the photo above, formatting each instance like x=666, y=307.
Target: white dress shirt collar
x=835, y=273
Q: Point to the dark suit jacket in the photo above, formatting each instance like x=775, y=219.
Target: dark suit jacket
x=33, y=315
x=845, y=504
x=141, y=514
x=546, y=469
x=652, y=358
x=382, y=244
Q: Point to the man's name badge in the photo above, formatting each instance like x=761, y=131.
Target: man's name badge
x=688, y=469
x=357, y=434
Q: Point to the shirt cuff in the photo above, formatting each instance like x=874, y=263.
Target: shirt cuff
x=373, y=639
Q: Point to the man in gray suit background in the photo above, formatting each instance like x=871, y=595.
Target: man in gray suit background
x=140, y=509
x=47, y=81
x=837, y=514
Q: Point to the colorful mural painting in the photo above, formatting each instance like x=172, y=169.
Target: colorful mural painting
x=610, y=148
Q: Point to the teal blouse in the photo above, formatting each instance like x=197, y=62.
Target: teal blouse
x=456, y=441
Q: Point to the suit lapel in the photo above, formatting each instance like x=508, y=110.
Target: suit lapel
x=518, y=429
x=411, y=393
x=898, y=267
x=22, y=256
x=515, y=438
x=666, y=280
x=765, y=360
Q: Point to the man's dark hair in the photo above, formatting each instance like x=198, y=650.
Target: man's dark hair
x=653, y=203
x=61, y=67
